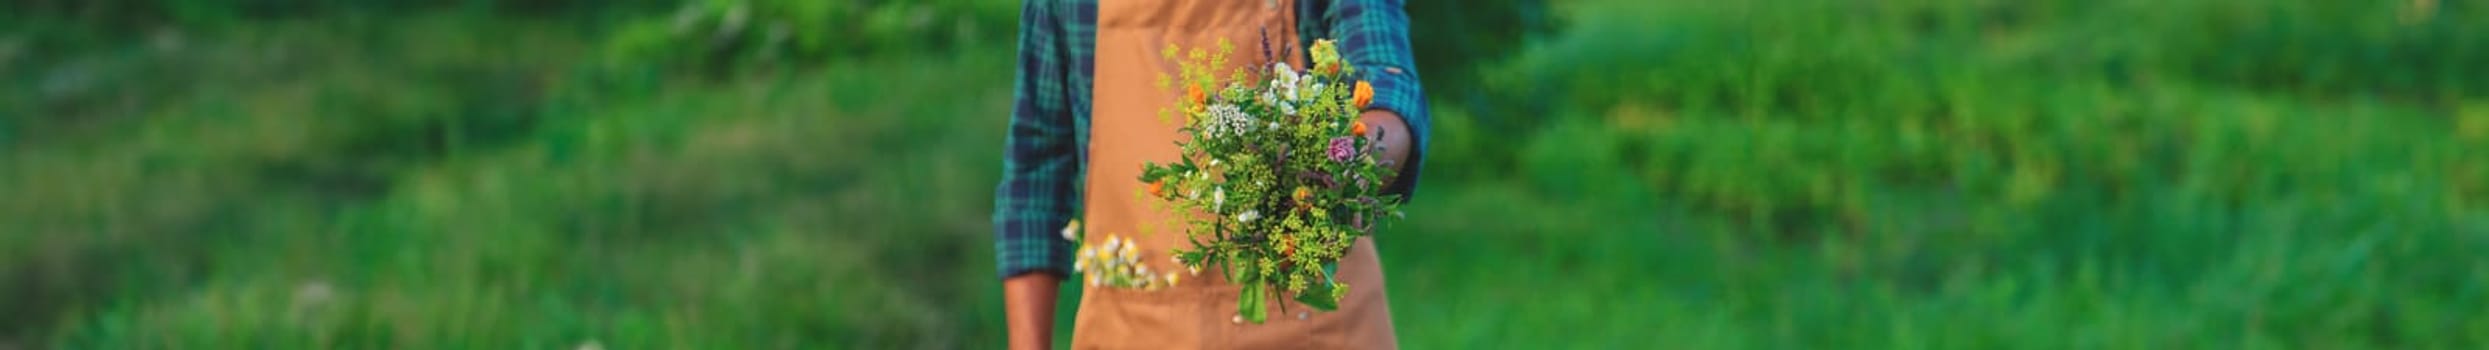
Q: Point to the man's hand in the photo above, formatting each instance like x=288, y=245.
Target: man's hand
x=1386, y=128
x=1028, y=307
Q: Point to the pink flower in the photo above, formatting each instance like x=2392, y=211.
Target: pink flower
x=1342, y=148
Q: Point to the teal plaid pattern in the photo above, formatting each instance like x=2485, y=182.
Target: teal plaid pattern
x=1047, y=148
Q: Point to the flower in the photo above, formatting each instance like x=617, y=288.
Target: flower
x=1287, y=140
x=1086, y=254
x=1326, y=56
x=1156, y=189
x=1226, y=119
x=1287, y=246
x=1284, y=79
x=1129, y=253
x=1363, y=95
x=1071, y=231
x=1342, y=148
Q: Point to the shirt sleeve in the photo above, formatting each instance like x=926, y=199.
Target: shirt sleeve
x=1374, y=36
x=1041, y=160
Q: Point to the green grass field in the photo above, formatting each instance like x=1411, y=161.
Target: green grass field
x=1676, y=174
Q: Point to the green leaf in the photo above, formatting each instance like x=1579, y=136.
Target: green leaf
x=1318, y=296
x=1250, y=303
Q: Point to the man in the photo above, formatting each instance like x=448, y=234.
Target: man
x=1085, y=120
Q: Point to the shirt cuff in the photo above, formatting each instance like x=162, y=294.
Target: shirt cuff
x=1032, y=246
x=1396, y=89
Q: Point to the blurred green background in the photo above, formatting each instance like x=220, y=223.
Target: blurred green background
x=722, y=174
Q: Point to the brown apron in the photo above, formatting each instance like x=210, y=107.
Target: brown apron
x=1199, y=313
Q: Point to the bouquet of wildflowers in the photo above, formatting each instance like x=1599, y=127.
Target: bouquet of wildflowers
x=1277, y=179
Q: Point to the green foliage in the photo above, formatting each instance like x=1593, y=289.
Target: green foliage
x=1702, y=174
x=1453, y=38
x=720, y=34
x=1974, y=174
x=150, y=14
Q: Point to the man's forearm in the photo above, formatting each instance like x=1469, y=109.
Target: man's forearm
x=1028, y=307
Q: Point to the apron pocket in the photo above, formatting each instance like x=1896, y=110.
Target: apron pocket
x=1118, y=318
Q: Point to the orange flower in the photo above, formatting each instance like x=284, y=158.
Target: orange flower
x=1193, y=93
x=1364, y=95
x=1303, y=193
x=1357, y=128
x=1158, y=188
x=1287, y=246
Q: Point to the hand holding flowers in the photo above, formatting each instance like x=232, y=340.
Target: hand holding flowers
x=1276, y=179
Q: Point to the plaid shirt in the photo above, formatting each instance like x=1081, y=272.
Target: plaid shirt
x=1043, y=165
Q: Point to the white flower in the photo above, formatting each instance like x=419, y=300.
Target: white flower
x=1248, y=216
x=1226, y=119
x=1071, y=231
x=1218, y=198
x=1093, y=280
x=1286, y=80
x=1111, y=243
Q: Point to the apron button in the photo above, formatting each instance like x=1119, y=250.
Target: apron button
x=1302, y=315
x=1238, y=320
x=1392, y=70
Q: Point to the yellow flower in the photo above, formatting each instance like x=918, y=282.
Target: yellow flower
x=1129, y=253
x=1326, y=56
